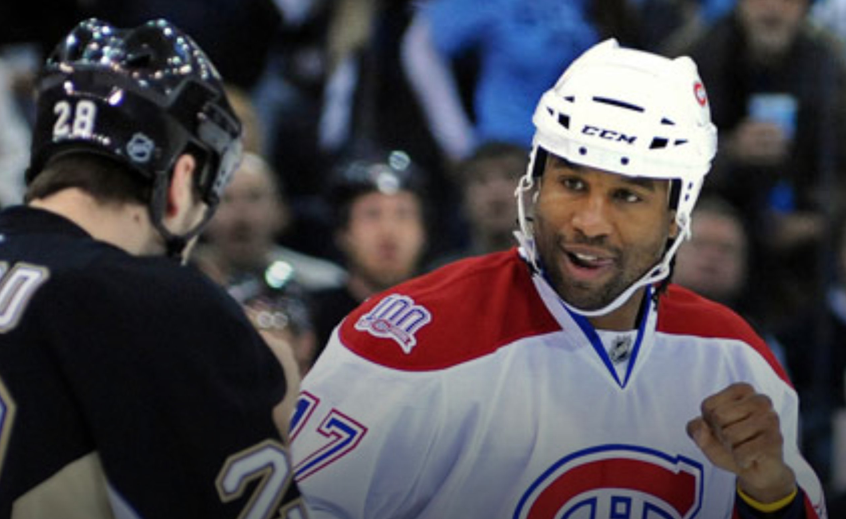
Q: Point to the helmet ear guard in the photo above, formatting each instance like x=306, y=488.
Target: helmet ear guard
x=631, y=113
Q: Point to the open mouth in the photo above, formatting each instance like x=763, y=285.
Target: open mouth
x=585, y=266
x=588, y=261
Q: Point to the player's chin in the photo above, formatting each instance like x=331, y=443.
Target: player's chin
x=584, y=299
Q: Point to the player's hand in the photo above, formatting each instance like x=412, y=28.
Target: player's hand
x=739, y=432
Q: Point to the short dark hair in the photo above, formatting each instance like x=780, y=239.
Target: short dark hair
x=387, y=172
x=492, y=150
x=105, y=179
x=711, y=202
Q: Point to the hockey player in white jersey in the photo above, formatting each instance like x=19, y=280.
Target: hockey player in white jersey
x=566, y=378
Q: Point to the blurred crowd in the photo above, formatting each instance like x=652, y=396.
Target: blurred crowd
x=385, y=138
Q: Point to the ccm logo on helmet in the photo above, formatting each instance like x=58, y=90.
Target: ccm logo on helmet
x=614, y=481
x=609, y=135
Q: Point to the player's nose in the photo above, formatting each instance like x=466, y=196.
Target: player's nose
x=590, y=216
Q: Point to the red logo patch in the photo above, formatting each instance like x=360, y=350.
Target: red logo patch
x=699, y=92
x=616, y=481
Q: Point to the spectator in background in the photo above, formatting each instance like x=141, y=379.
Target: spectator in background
x=488, y=179
x=511, y=43
x=714, y=262
x=253, y=133
x=811, y=365
x=279, y=306
x=831, y=14
x=14, y=142
x=663, y=18
x=289, y=93
x=777, y=86
x=334, y=90
x=380, y=230
x=240, y=242
x=368, y=104
x=241, y=251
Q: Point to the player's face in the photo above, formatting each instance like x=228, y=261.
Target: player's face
x=384, y=238
x=598, y=232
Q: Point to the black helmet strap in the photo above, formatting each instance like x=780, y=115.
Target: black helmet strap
x=174, y=244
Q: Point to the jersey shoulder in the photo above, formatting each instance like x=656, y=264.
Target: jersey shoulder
x=151, y=285
x=683, y=312
x=460, y=312
x=146, y=303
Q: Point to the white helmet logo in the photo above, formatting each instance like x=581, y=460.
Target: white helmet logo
x=140, y=148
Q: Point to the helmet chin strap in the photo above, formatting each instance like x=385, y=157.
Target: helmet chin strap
x=524, y=234
x=528, y=248
x=174, y=244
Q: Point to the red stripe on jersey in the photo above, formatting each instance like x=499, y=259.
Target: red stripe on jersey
x=477, y=305
x=683, y=312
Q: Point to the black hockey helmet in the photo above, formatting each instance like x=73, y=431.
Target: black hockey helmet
x=142, y=96
x=383, y=172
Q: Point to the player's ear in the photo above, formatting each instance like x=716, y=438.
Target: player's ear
x=180, y=192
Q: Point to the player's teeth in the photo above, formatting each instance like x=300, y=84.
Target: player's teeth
x=586, y=257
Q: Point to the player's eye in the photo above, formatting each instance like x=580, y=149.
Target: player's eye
x=573, y=183
x=627, y=196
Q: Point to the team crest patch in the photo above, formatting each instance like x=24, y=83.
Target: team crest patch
x=616, y=481
x=396, y=317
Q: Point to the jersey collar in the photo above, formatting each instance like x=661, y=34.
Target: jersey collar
x=581, y=332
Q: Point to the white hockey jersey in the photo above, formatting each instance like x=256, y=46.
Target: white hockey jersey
x=473, y=393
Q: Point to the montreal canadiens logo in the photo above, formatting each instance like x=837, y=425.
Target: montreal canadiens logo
x=616, y=481
x=699, y=92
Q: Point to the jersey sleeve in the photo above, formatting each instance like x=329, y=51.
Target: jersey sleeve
x=177, y=389
x=799, y=508
x=809, y=502
x=382, y=457
x=751, y=360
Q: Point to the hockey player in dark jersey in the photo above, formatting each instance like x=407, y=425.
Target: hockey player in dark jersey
x=130, y=386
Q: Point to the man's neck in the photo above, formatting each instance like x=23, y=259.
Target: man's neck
x=623, y=318
x=359, y=287
x=126, y=226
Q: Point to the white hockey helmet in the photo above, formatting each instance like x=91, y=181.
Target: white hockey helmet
x=628, y=112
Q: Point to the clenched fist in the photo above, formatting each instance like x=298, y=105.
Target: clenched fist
x=739, y=432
